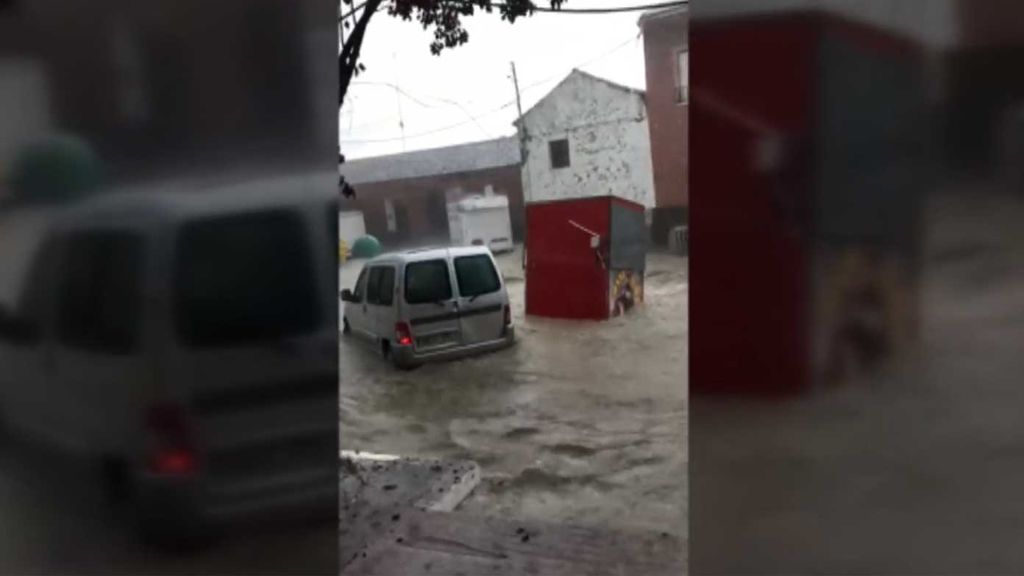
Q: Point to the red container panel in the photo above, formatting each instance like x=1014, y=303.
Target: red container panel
x=564, y=276
x=750, y=271
x=754, y=232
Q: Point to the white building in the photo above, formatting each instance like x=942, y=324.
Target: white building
x=588, y=137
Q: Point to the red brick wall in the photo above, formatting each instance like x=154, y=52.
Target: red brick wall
x=417, y=194
x=990, y=22
x=664, y=37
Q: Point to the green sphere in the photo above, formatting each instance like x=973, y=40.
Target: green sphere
x=53, y=169
x=366, y=247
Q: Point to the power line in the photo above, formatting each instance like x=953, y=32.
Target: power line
x=611, y=10
x=424, y=104
x=549, y=10
x=429, y=132
x=581, y=65
x=471, y=118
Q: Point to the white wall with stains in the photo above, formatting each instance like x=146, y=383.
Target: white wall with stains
x=609, y=143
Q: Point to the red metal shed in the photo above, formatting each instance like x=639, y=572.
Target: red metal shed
x=805, y=127
x=585, y=257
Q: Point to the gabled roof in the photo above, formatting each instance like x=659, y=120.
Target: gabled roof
x=577, y=73
x=433, y=162
x=662, y=13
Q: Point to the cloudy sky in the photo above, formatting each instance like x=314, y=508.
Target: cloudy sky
x=409, y=99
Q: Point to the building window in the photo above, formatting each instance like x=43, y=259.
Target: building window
x=559, y=151
x=682, y=76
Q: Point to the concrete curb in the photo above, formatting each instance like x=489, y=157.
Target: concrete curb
x=427, y=484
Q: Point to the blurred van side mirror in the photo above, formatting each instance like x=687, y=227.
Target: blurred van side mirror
x=346, y=295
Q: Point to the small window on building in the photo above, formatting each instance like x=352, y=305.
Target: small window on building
x=682, y=76
x=559, y=150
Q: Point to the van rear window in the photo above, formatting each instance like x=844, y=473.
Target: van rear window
x=427, y=282
x=243, y=278
x=476, y=275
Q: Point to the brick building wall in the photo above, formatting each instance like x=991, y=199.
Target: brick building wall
x=173, y=86
x=420, y=203
x=665, y=37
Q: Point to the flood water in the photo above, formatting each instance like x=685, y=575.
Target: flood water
x=581, y=422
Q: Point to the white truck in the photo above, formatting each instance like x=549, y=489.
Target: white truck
x=351, y=226
x=482, y=221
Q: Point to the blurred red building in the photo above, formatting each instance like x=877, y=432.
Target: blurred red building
x=666, y=58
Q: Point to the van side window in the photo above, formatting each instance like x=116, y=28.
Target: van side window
x=243, y=278
x=360, y=289
x=34, y=315
x=380, y=287
x=373, y=286
x=99, y=294
x=476, y=275
x=427, y=282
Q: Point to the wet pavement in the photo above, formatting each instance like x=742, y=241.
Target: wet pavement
x=915, y=469
x=580, y=422
x=55, y=520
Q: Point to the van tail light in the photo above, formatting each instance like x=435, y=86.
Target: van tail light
x=173, y=451
x=403, y=335
x=508, y=315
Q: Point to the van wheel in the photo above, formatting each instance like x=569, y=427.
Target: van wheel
x=171, y=528
x=406, y=367
x=385, y=350
x=345, y=328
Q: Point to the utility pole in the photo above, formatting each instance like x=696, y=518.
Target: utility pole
x=521, y=131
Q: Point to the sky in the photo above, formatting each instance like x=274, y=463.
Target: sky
x=409, y=99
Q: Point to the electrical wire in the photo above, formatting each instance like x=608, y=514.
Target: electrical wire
x=549, y=10
x=611, y=10
x=471, y=118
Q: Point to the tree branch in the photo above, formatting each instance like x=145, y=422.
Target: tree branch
x=349, y=57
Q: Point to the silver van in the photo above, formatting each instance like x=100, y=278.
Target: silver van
x=430, y=304
x=184, y=339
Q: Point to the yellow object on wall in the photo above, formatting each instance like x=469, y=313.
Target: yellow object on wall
x=344, y=252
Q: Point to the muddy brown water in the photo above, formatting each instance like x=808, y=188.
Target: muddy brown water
x=581, y=422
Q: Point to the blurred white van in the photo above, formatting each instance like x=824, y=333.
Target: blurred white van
x=185, y=340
